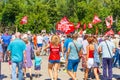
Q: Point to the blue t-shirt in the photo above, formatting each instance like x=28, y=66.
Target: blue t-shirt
x=6, y=39
x=17, y=47
x=73, y=52
x=38, y=60
x=105, y=51
x=66, y=43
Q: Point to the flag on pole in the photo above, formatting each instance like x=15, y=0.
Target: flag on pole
x=109, y=21
x=108, y=24
x=110, y=32
x=96, y=20
x=78, y=25
x=84, y=26
x=24, y=20
x=90, y=25
x=65, y=26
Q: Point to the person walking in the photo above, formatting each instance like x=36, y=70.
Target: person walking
x=107, y=48
x=37, y=64
x=28, y=61
x=73, y=57
x=89, y=57
x=54, y=57
x=6, y=38
x=17, y=50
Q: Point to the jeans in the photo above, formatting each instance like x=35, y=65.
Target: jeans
x=117, y=57
x=107, y=66
x=20, y=72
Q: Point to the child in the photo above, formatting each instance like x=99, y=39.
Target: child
x=37, y=65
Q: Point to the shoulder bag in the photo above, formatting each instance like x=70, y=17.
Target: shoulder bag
x=77, y=50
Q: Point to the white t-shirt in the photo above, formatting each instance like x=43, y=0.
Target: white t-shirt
x=39, y=39
x=85, y=44
x=80, y=40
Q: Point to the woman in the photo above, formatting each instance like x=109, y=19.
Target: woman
x=73, y=55
x=54, y=57
x=27, y=61
x=90, y=56
x=96, y=59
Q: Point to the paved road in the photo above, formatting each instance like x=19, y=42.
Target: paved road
x=44, y=72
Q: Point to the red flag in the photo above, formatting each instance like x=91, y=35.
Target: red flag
x=96, y=20
x=84, y=26
x=119, y=32
x=78, y=25
x=110, y=32
x=24, y=20
x=107, y=24
x=90, y=25
x=81, y=31
x=110, y=19
x=65, y=26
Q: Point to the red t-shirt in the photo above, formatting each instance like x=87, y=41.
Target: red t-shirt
x=54, y=52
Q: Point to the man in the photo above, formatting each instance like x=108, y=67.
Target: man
x=6, y=38
x=39, y=42
x=117, y=53
x=107, y=48
x=66, y=43
x=17, y=51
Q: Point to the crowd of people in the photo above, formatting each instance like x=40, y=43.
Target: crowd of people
x=92, y=51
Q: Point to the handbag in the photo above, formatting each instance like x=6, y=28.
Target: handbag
x=96, y=55
x=77, y=50
x=32, y=54
x=109, y=51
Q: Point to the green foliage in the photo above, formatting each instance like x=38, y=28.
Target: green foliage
x=44, y=14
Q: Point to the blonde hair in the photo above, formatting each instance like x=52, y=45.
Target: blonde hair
x=55, y=40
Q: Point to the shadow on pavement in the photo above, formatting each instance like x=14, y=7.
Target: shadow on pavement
x=50, y=79
x=2, y=77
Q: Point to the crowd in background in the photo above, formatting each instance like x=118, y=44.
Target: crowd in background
x=92, y=50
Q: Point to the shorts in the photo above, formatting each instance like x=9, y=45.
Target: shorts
x=37, y=67
x=96, y=64
x=54, y=61
x=90, y=63
x=39, y=45
x=72, y=65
